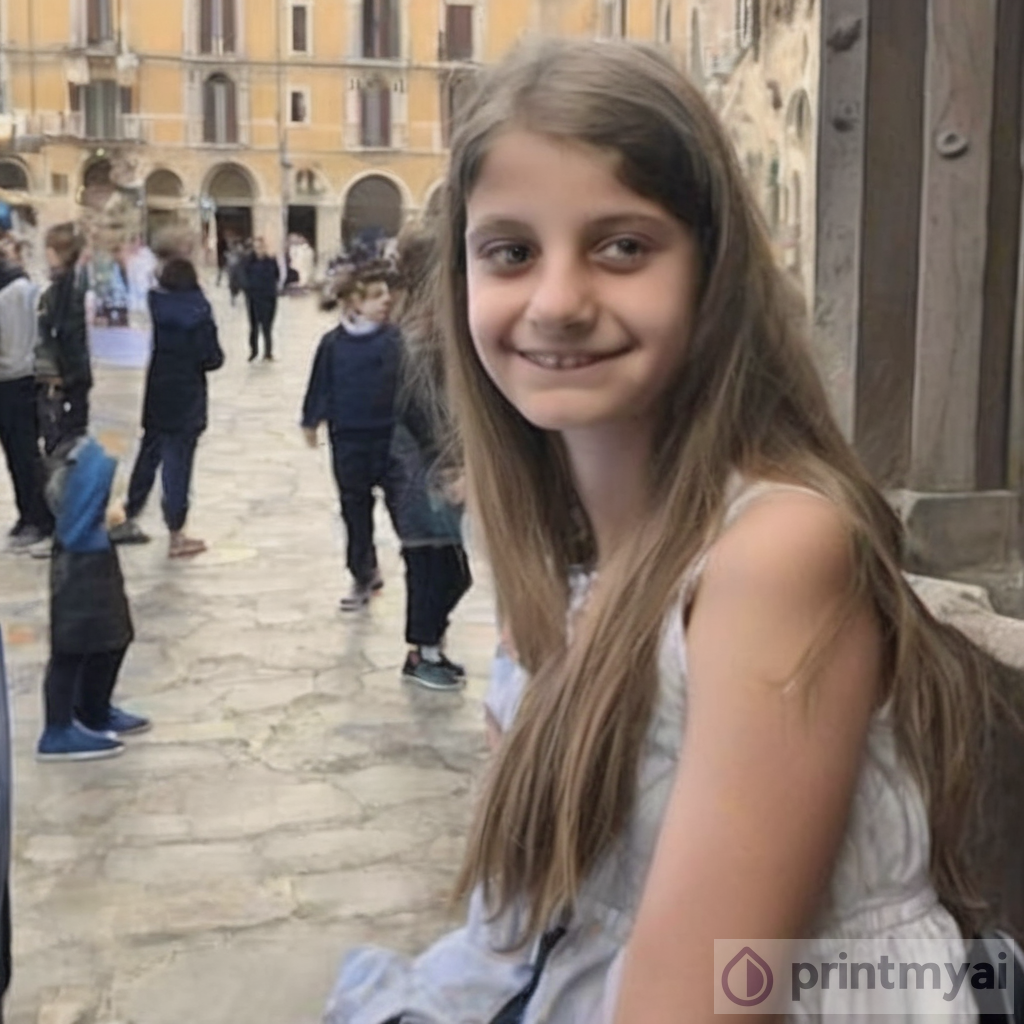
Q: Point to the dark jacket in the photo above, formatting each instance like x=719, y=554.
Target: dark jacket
x=63, y=341
x=424, y=517
x=354, y=382
x=185, y=349
x=88, y=607
x=261, y=277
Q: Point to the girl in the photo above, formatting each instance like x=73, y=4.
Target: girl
x=174, y=409
x=428, y=512
x=739, y=720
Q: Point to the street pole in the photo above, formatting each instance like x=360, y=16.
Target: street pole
x=282, y=138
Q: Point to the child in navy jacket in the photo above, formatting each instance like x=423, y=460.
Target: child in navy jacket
x=352, y=388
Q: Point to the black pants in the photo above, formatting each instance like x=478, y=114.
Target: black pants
x=19, y=437
x=80, y=686
x=435, y=580
x=175, y=454
x=63, y=413
x=359, y=466
x=262, y=310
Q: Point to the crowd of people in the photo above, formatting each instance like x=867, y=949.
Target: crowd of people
x=720, y=708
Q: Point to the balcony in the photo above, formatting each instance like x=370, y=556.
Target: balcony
x=60, y=125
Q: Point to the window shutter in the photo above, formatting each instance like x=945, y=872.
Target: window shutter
x=384, y=114
x=228, y=28
x=74, y=98
x=93, y=18
x=231, y=107
x=459, y=31
x=391, y=35
x=209, y=111
x=126, y=99
x=447, y=98
x=206, y=26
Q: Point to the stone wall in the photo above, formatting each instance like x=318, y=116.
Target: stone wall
x=998, y=845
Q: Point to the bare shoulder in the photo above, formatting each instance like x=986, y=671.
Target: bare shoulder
x=790, y=541
x=775, y=581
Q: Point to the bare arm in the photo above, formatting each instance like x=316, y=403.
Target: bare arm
x=762, y=795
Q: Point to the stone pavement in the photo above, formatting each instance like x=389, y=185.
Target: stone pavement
x=294, y=797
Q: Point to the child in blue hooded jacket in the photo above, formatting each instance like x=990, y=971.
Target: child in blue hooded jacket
x=90, y=622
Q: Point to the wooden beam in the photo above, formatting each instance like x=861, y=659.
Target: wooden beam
x=954, y=204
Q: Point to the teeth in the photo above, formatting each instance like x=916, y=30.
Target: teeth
x=552, y=362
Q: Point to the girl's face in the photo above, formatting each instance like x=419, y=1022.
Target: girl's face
x=581, y=292
x=53, y=261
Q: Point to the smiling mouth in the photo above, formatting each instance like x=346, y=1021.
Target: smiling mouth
x=577, y=361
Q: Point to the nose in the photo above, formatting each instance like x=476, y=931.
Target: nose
x=562, y=303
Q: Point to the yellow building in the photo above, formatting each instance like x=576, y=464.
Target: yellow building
x=321, y=117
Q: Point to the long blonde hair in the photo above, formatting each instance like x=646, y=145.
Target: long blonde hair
x=747, y=398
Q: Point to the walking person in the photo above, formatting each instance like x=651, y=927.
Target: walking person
x=352, y=388
x=174, y=408
x=262, y=279
x=19, y=433
x=430, y=507
x=63, y=369
x=235, y=260
x=90, y=621
x=736, y=717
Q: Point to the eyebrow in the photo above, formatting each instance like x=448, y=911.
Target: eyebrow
x=603, y=225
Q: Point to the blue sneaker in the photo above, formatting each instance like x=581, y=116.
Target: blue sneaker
x=120, y=723
x=72, y=743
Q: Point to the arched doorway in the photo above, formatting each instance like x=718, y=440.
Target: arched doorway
x=373, y=210
x=97, y=184
x=13, y=176
x=302, y=211
x=164, y=194
x=233, y=194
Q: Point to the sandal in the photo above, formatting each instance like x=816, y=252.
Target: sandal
x=186, y=547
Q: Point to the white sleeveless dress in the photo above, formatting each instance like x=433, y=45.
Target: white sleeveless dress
x=880, y=886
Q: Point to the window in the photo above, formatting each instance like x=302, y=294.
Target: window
x=220, y=111
x=375, y=115
x=665, y=21
x=613, y=19
x=99, y=23
x=748, y=17
x=458, y=32
x=300, y=28
x=298, y=106
x=380, y=29
x=99, y=102
x=59, y=184
x=217, y=26
x=455, y=90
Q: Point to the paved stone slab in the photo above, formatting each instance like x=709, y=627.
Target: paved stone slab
x=294, y=798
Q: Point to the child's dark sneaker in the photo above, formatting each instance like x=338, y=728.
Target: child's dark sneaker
x=73, y=743
x=124, y=723
x=377, y=582
x=128, y=532
x=432, y=675
x=357, y=598
x=457, y=670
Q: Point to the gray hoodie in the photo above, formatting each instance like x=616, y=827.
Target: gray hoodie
x=18, y=325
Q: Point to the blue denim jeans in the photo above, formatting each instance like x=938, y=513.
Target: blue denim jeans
x=173, y=453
